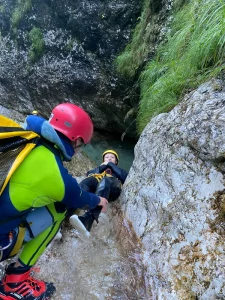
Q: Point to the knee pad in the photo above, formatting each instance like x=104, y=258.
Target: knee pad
x=38, y=221
x=103, y=188
x=115, y=189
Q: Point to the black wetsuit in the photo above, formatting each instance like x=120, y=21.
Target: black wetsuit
x=109, y=186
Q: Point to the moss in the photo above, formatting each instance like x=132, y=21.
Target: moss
x=22, y=7
x=138, y=49
x=2, y=8
x=37, y=44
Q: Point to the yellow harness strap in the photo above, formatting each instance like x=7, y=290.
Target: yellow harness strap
x=100, y=176
x=19, y=242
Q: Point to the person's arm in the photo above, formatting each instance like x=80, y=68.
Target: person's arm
x=118, y=172
x=97, y=170
x=74, y=197
x=103, y=203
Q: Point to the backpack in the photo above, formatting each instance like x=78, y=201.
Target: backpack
x=15, y=144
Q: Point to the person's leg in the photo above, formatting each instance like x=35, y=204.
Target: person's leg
x=89, y=184
x=84, y=223
x=80, y=223
x=35, y=247
x=17, y=277
x=103, y=190
x=115, y=189
x=109, y=188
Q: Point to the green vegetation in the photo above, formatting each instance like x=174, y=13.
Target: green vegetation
x=138, y=49
x=37, y=47
x=23, y=6
x=2, y=8
x=193, y=53
x=142, y=44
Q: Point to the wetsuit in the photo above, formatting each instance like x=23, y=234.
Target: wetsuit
x=40, y=181
x=105, y=180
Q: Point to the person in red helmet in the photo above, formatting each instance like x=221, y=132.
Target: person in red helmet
x=38, y=197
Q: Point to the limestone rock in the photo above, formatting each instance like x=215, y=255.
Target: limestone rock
x=174, y=197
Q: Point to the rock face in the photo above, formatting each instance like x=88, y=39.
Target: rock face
x=54, y=51
x=174, y=196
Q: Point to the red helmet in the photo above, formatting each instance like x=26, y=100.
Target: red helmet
x=72, y=121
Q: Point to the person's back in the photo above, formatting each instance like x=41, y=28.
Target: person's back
x=35, y=183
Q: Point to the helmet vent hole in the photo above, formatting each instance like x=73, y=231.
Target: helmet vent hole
x=68, y=124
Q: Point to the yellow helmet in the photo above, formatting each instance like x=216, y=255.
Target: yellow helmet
x=35, y=112
x=110, y=151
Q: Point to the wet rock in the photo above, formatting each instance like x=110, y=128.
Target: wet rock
x=52, y=52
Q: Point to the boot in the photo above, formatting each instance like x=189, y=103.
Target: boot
x=17, y=284
x=83, y=224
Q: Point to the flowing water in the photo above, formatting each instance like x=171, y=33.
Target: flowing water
x=107, y=266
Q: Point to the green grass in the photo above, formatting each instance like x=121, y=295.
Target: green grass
x=194, y=52
x=37, y=44
x=138, y=49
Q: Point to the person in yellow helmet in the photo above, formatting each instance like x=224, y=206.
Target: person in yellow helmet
x=106, y=181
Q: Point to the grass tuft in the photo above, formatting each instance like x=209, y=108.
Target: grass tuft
x=194, y=52
x=37, y=46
